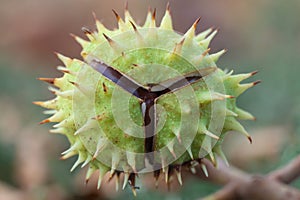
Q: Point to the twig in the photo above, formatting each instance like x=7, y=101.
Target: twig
x=240, y=185
x=228, y=192
x=289, y=173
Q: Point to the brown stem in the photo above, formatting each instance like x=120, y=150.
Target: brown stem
x=228, y=192
x=288, y=173
x=240, y=185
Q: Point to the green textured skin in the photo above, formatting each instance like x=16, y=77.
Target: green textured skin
x=83, y=107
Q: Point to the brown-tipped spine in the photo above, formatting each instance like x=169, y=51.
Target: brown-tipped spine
x=196, y=22
x=205, y=52
x=94, y=16
x=74, y=83
x=38, y=103
x=86, y=31
x=256, y=82
x=250, y=139
x=126, y=6
x=178, y=46
x=168, y=7
x=154, y=14
x=117, y=15
x=47, y=80
x=45, y=121
x=254, y=72
x=131, y=182
x=110, y=41
x=133, y=26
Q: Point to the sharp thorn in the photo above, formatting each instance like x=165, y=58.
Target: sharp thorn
x=250, y=139
x=68, y=155
x=126, y=5
x=196, y=22
x=211, y=135
x=126, y=177
x=154, y=14
x=229, y=97
x=193, y=170
x=178, y=173
x=182, y=41
x=256, y=82
x=64, y=70
x=56, y=53
x=131, y=182
x=47, y=80
x=38, y=103
x=189, y=150
x=116, y=14
x=178, y=46
x=50, y=112
x=107, y=38
x=168, y=6
x=133, y=191
x=111, y=174
x=212, y=158
x=74, y=83
x=179, y=138
x=89, y=158
x=86, y=31
x=133, y=26
x=167, y=174
x=204, y=169
x=205, y=52
x=94, y=16
x=254, y=72
x=79, y=40
x=73, y=35
x=45, y=121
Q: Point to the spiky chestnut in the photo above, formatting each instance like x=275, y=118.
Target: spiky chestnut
x=145, y=99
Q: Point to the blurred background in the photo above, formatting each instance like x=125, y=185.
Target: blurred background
x=260, y=35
